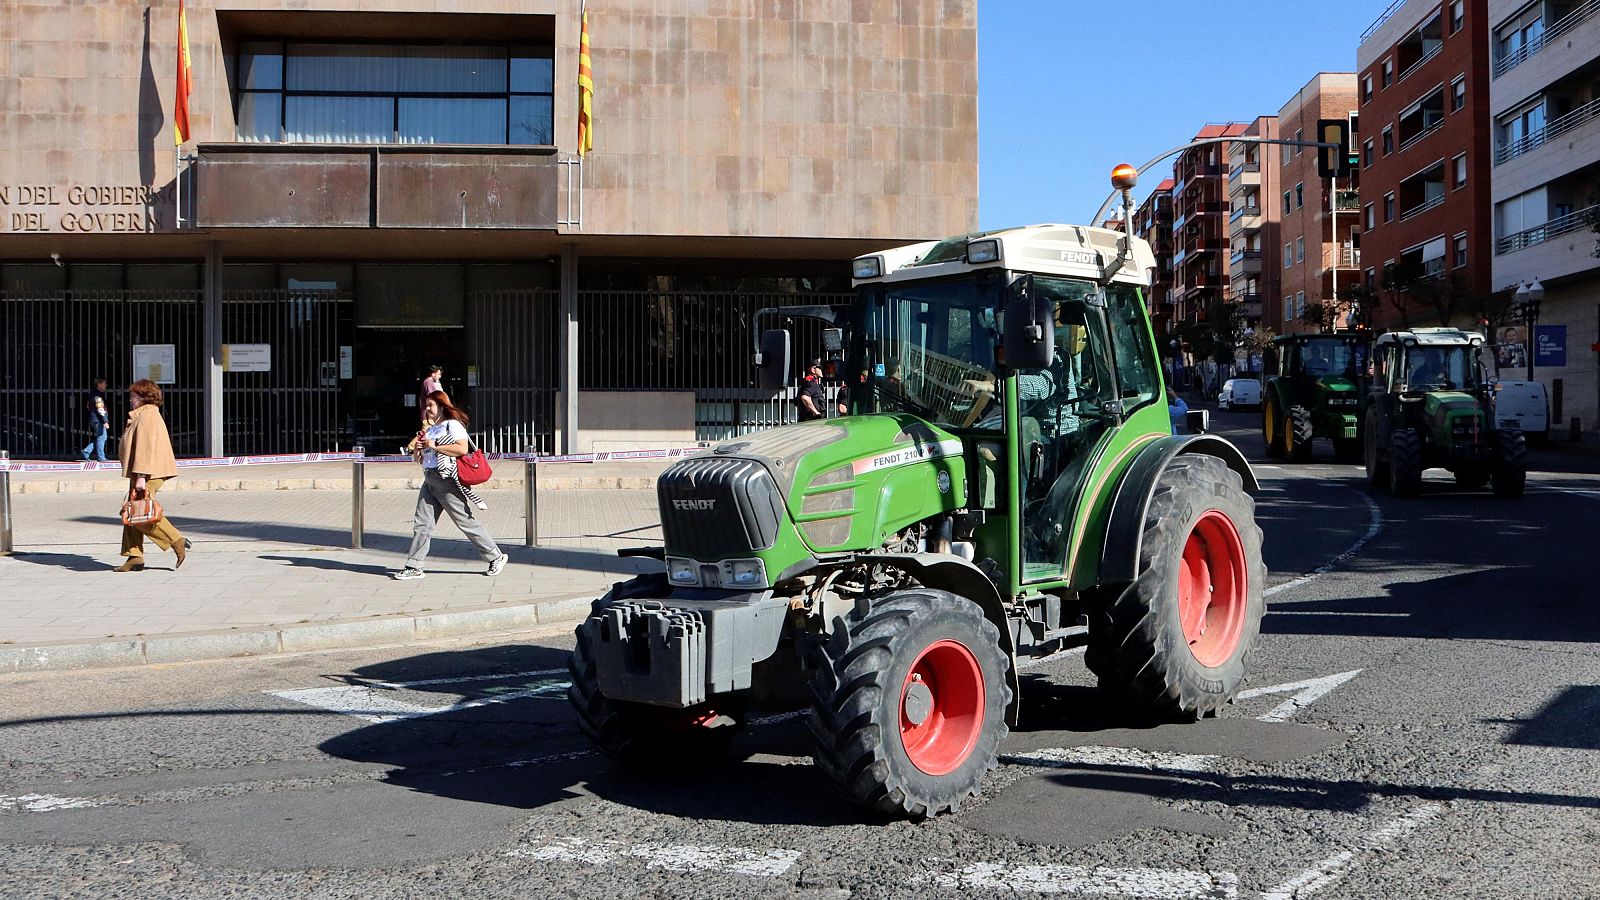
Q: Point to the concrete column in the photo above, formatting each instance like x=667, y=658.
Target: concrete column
x=211, y=372
x=567, y=407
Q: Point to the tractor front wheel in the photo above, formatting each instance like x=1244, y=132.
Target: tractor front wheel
x=1377, y=466
x=1272, y=428
x=1178, y=639
x=1405, y=462
x=1510, y=474
x=909, y=701
x=1299, y=433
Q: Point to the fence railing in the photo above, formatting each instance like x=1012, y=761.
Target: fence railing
x=1582, y=13
x=1552, y=130
x=1583, y=218
x=1423, y=207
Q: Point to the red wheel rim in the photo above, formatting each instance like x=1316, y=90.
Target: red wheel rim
x=941, y=707
x=1213, y=589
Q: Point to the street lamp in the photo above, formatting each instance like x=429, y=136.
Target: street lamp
x=1528, y=296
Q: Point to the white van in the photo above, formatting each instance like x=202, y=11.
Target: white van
x=1524, y=405
x=1238, y=393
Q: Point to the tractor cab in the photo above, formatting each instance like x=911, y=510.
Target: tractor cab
x=1315, y=393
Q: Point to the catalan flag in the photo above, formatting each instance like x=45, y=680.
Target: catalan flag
x=180, y=112
x=585, y=90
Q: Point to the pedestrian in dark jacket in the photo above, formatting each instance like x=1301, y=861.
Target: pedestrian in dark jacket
x=99, y=422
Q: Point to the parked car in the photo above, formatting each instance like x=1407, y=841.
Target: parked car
x=1524, y=405
x=1238, y=393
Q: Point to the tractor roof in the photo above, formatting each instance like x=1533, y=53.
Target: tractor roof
x=1076, y=251
x=1431, y=337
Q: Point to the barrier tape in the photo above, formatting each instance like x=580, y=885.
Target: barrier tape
x=7, y=465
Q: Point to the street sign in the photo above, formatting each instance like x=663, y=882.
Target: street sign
x=246, y=357
x=1334, y=161
x=1550, y=345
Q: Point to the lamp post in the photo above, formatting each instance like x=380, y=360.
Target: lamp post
x=1528, y=296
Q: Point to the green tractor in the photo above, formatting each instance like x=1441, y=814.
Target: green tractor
x=1006, y=482
x=1430, y=406
x=1316, y=394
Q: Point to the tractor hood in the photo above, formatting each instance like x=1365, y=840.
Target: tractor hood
x=1442, y=404
x=1454, y=416
x=1339, y=393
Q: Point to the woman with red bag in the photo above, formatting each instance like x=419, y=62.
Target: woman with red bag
x=147, y=463
x=446, y=437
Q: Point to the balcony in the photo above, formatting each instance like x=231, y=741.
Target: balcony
x=1422, y=191
x=1249, y=305
x=1576, y=221
x=1421, y=119
x=1582, y=13
x=1341, y=258
x=1347, y=201
x=1553, y=129
x=1248, y=172
x=1420, y=46
x=1245, y=219
x=1246, y=261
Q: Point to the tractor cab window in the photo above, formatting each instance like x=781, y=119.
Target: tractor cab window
x=1441, y=368
x=928, y=348
x=1064, y=409
x=1321, y=359
x=1138, y=376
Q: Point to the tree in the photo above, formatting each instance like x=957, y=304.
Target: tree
x=1325, y=314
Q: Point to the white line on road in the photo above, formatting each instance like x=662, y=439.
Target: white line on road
x=673, y=857
x=406, y=685
x=374, y=705
x=1334, y=867
x=1374, y=526
x=43, y=802
x=1126, y=757
x=1306, y=693
x=1101, y=881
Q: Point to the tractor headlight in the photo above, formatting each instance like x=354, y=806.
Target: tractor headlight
x=683, y=571
x=983, y=251
x=867, y=267
x=745, y=573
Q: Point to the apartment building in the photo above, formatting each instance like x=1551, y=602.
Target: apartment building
x=1254, y=177
x=1152, y=221
x=1544, y=99
x=1199, y=225
x=1423, y=79
x=1320, y=229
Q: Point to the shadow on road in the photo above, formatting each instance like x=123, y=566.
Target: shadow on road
x=72, y=562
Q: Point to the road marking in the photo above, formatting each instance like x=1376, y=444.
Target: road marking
x=1334, y=867
x=373, y=704
x=673, y=857
x=1306, y=693
x=1160, y=884
x=1374, y=526
x=43, y=802
x=406, y=685
x=1126, y=757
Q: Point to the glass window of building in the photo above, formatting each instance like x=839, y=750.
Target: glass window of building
x=1372, y=217
x=1299, y=135
x=1458, y=94
x=1461, y=170
x=1526, y=124
x=1388, y=72
x=1299, y=195
x=1366, y=88
x=1458, y=15
x=1288, y=202
x=1366, y=153
x=1288, y=255
x=1388, y=140
x=358, y=93
x=1520, y=36
x=1388, y=207
x=1461, y=250
x=1299, y=250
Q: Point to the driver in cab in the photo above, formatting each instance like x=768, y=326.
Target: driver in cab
x=1429, y=372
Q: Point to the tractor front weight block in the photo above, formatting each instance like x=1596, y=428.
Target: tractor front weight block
x=678, y=652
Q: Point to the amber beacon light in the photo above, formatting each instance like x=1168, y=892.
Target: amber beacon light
x=1124, y=177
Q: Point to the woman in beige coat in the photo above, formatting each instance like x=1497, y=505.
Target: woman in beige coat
x=147, y=463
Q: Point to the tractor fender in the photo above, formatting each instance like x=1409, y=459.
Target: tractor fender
x=958, y=576
x=1119, y=554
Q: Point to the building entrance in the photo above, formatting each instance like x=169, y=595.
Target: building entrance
x=389, y=365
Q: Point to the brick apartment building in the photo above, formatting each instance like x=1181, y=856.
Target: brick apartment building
x=1253, y=180
x=1152, y=221
x=1423, y=91
x=1320, y=229
x=1199, y=225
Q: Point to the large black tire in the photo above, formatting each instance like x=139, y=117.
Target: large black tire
x=637, y=734
x=906, y=654
x=1377, y=466
x=1510, y=474
x=1272, y=427
x=1200, y=553
x=1405, y=462
x=1299, y=433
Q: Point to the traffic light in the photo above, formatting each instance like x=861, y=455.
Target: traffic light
x=1334, y=161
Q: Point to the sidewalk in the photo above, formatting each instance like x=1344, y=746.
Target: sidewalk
x=272, y=572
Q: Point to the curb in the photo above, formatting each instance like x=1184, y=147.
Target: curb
x=181, y=485
x=336, y=635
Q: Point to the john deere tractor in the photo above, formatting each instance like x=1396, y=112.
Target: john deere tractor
x=1430, y=406
x=1006, y=474
x=1316, y=394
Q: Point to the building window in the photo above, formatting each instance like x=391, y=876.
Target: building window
x=1288, y=205
x=1299, y=136
x=1458, y=94
x=1458, y=15
x=1366, y=89
x=1299, y=250
x=1461, y=171
x=1523, y=128
x=1461, y=250
x=1288, y=307
x=1388, y=139
x=1388, y=72
x=1372, y=217
x=1300, y=305
x=348, y=93
x=1299, y=195
x=1388, y=207
x=1366, y=153
x=1288, y=255
x=1520, y=37
x=1372, y=278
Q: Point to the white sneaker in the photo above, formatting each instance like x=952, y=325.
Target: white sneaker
x=496, y=565
x=409, y=573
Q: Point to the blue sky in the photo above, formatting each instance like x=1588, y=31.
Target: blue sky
x=1068, y=88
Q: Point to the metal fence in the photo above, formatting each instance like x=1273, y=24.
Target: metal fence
x=294, y=404
x=693, y=340
x=56, y=343
x=511, y=338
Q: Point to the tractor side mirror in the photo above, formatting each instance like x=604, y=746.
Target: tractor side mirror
x=773, y=360
x=1030, y=334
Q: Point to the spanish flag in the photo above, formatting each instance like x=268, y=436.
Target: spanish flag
x=585, y=90
x=180, y=112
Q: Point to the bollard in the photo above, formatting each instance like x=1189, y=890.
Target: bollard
x=530, y=492
x=5, y=512
x=358, y=484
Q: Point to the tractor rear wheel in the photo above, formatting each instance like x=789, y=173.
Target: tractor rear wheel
x=909, y=702
x=1299, y=433
x=1510, y=474
x=1405, y=462
x=1177, y=641
x=1272, y=428
x=1377, y=466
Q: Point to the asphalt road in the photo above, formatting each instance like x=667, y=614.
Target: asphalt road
x=1424, y=720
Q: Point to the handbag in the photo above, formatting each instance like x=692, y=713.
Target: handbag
x=141, y=511
x=473, y=467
